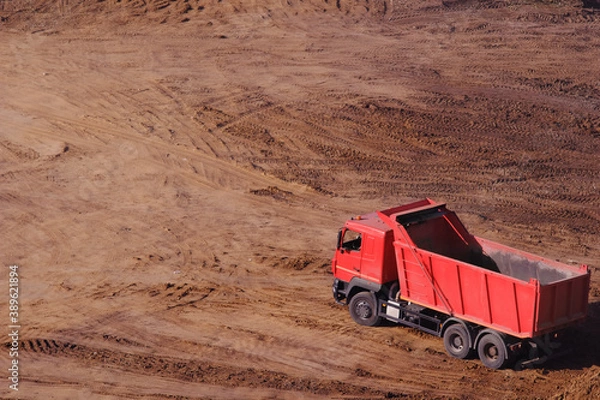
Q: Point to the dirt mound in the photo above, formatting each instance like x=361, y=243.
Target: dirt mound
x=43, y=14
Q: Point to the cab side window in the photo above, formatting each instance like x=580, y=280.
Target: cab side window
x=351, y=241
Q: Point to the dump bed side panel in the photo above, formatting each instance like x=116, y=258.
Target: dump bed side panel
x=467, y=291
x=563, y=289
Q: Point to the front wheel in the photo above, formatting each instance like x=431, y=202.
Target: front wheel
x=492, y=351
x=363, y=309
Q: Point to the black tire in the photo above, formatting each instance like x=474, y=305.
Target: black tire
x=456, y=341
x=363, y=309
x=492, y=351
x=394, y=291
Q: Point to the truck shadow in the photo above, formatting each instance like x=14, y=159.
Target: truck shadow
x=583, y=344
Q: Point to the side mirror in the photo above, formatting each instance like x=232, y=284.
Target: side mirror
x=339, y=240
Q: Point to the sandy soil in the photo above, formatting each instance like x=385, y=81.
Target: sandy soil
x=173, y=175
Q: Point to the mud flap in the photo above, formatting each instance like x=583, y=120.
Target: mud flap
x=541, y=349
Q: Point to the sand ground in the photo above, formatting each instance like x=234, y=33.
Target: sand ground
x=173, y=175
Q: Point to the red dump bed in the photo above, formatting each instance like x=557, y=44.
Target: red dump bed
x=443, y=267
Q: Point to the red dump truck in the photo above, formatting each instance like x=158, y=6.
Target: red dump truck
x=417, y=265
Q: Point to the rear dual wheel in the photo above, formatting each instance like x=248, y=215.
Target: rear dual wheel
x=457, y=341
x=492, y=351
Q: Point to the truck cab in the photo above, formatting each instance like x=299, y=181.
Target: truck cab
x=364, y=256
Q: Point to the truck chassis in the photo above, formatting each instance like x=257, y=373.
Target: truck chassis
x=461, y=339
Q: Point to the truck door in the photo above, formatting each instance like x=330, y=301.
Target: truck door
x=348, y=259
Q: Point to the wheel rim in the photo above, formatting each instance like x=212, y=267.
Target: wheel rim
x=363, y=310
x=457, y=342
x=491, y=352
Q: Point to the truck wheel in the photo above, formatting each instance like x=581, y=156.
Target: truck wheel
x=456, y=341
x=394, y=291
x=363, y=309
x=492, y=351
